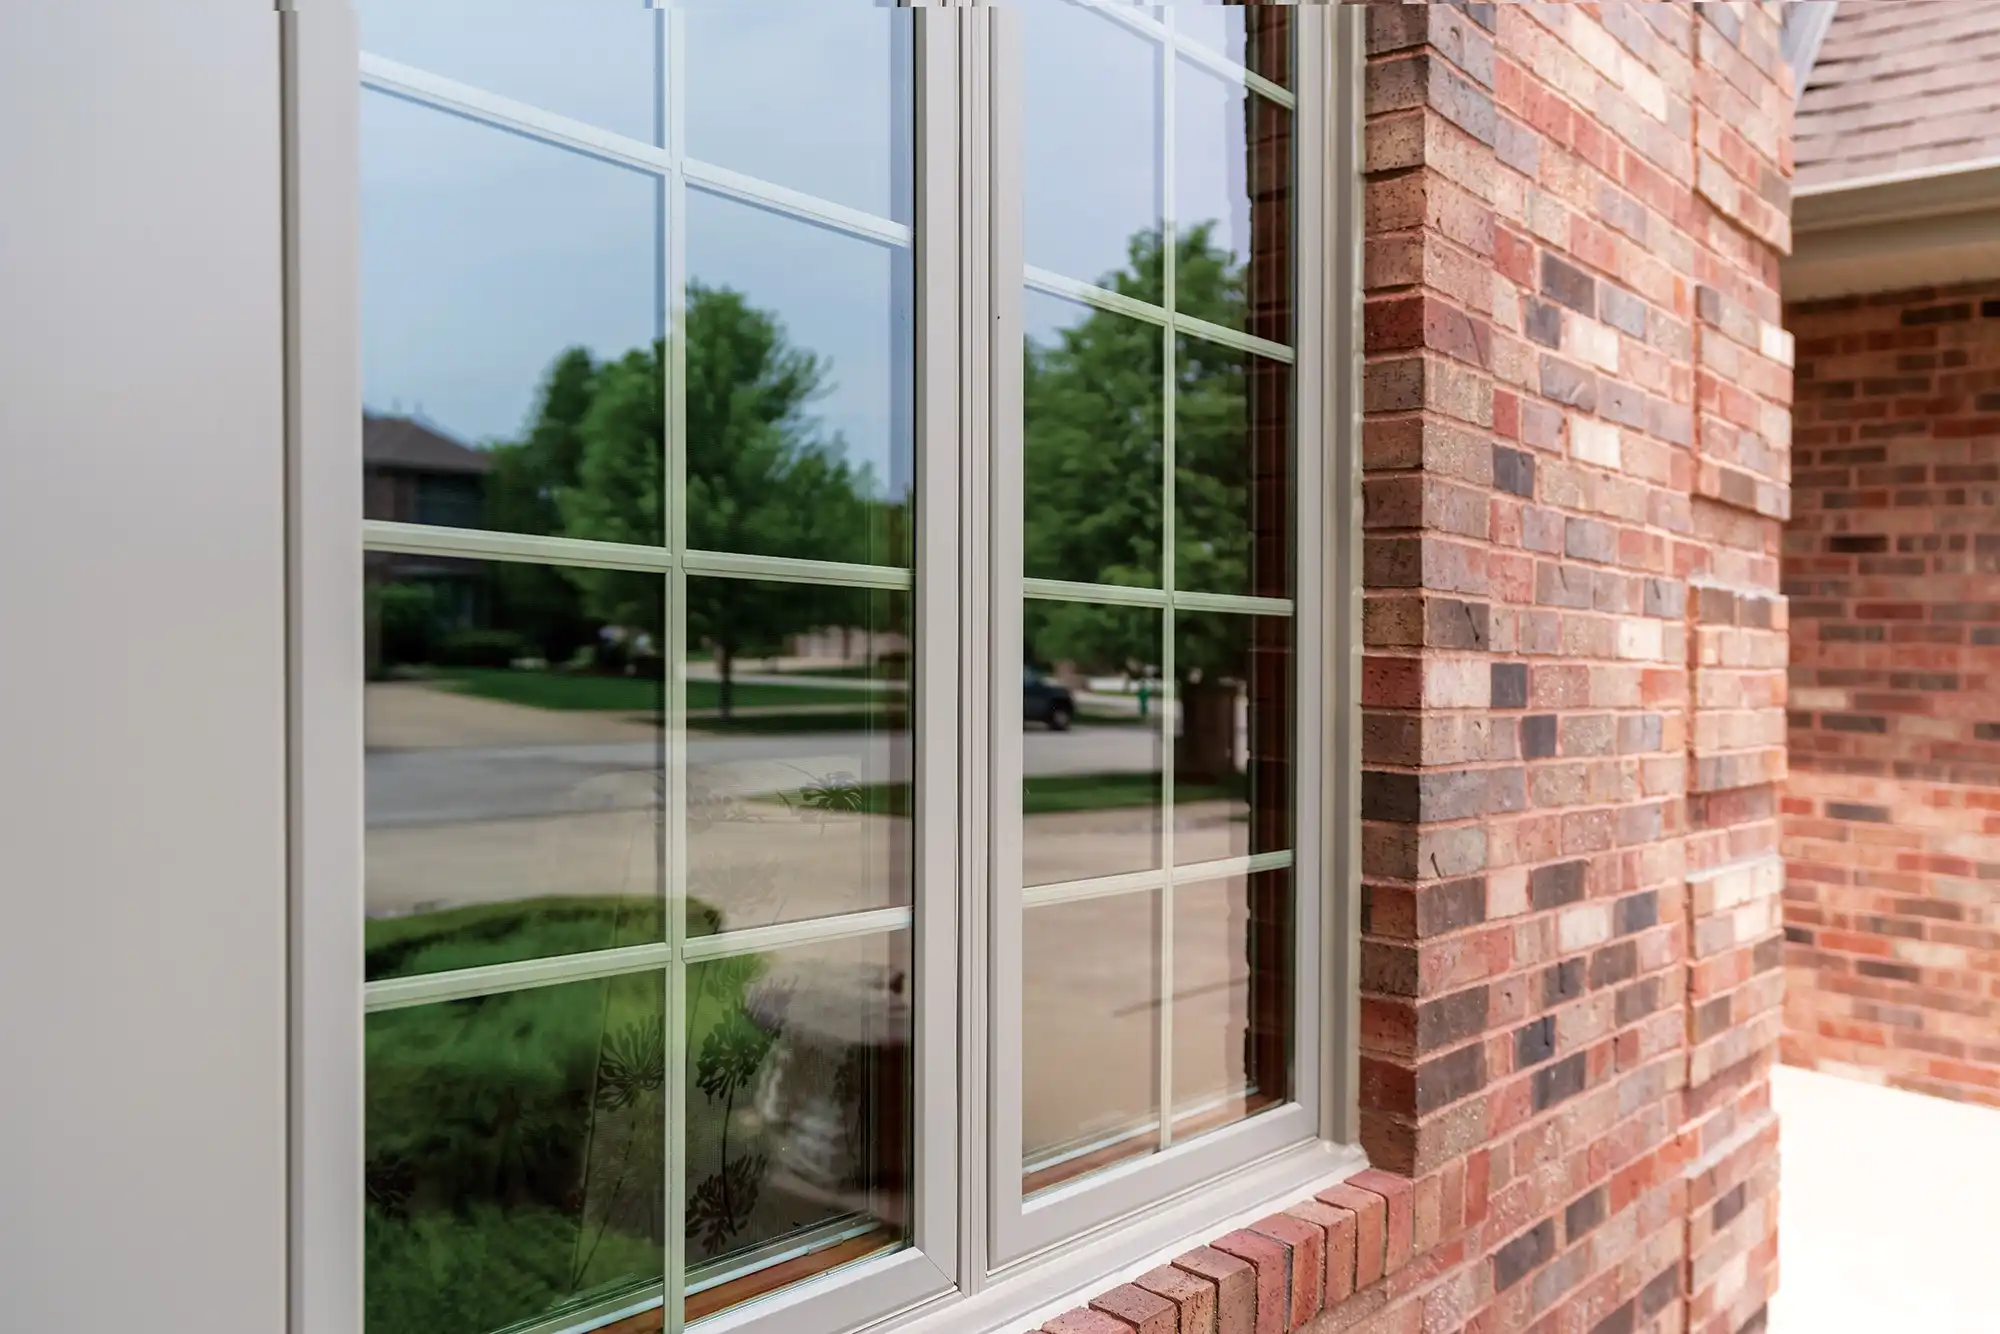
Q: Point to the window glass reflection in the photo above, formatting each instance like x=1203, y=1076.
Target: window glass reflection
x=1233, y=735
x=1091, y=139
x=1093, y=470
x=515, y=1163
x=514, y=762
x=1090, y=1079
x=509, y=324
x=1232, y=204
x=1254, y=35
x=589, y=60
x=1231, y=999
x=798, y=1123
x=1091, y=752
x=800, y=388
x=1232, y=471
x=805, y=94
x=800, y=757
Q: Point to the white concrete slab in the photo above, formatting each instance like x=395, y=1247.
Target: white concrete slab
x=1889, y=1214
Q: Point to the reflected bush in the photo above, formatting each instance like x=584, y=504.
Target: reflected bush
x=480, y=648
x=515, y=1142
x=406, y=615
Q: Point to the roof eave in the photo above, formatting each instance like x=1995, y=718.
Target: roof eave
x=1927, y=227
x=1898, y=196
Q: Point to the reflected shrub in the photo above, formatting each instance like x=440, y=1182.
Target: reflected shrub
x=480, y=648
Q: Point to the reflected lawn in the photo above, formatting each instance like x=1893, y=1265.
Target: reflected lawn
x=1049, y=795
x=633, y=694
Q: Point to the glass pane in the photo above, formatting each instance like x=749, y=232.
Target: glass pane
x=1091, y=101
x=1232, y=205
x=799, y=752
x=800, y=388
x=514, y=1156
x=798, y=1125
x=514, y=762
x=1090, y=753
x=509, y=316
x=1233, y=741
x=1094, y=396
x=1232, y=471
x=809, y=95
x=589, y=60
x=1227, y=29
x=1232, y=999
x=1090, y=1038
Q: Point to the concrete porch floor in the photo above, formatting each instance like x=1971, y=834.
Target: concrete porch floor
x=1889, y=1209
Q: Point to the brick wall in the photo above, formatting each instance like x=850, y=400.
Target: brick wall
x=1576, y=452
x=1892, y=812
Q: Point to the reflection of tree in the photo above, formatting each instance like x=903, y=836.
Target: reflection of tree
x=539, y=601
x=1094, y=488
x=758, y=481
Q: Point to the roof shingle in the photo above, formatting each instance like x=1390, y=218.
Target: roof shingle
x=1901, y=85
x=402, y=442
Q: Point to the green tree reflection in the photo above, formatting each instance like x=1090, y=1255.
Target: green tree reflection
x=760, y=481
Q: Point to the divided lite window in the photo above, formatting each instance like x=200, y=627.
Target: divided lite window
x=753, y=395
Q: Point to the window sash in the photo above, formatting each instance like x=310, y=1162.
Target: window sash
x=1019, y=1229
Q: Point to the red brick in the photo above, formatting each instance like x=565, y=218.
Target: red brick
x=1370, y=1228
x=1308, y=1269
x=1398, y=1195
x=1193, y=1297
x=1879, y=523
x=1235, y=1287
x=1146, y=1312
x=1273, y=1260
x=1083, y=1320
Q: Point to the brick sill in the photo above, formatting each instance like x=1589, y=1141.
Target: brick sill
x=1280, y=1268
x=1091, y=1283
x=1037, y=1290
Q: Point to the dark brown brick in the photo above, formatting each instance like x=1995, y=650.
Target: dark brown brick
x=1534, y=1042
x=1514, y=471
x=1560, y=1082
x=1565, y=283
x=1553, y=886
x=1614, y=964
x=1525, y=1253
x=1636, y=912
x=1562, y=982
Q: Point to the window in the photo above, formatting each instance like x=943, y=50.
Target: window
x=771, y=383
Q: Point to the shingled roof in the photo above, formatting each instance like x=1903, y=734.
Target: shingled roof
x=402, y=442
x=1898, y=86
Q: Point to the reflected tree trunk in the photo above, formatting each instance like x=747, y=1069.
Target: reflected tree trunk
x=1206, y=751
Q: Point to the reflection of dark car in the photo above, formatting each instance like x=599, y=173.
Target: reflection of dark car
x=1044, y=701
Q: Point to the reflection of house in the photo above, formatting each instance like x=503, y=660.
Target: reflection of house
x=414, y=473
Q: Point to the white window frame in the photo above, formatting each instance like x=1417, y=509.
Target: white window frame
x=978, y=1255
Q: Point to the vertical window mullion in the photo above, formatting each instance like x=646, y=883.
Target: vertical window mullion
x=673, y=283
x=974, y=191
x=1006, y=518
x=940, y=657
x=1169, y=678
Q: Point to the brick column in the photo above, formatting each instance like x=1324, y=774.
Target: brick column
x=1737, y=656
